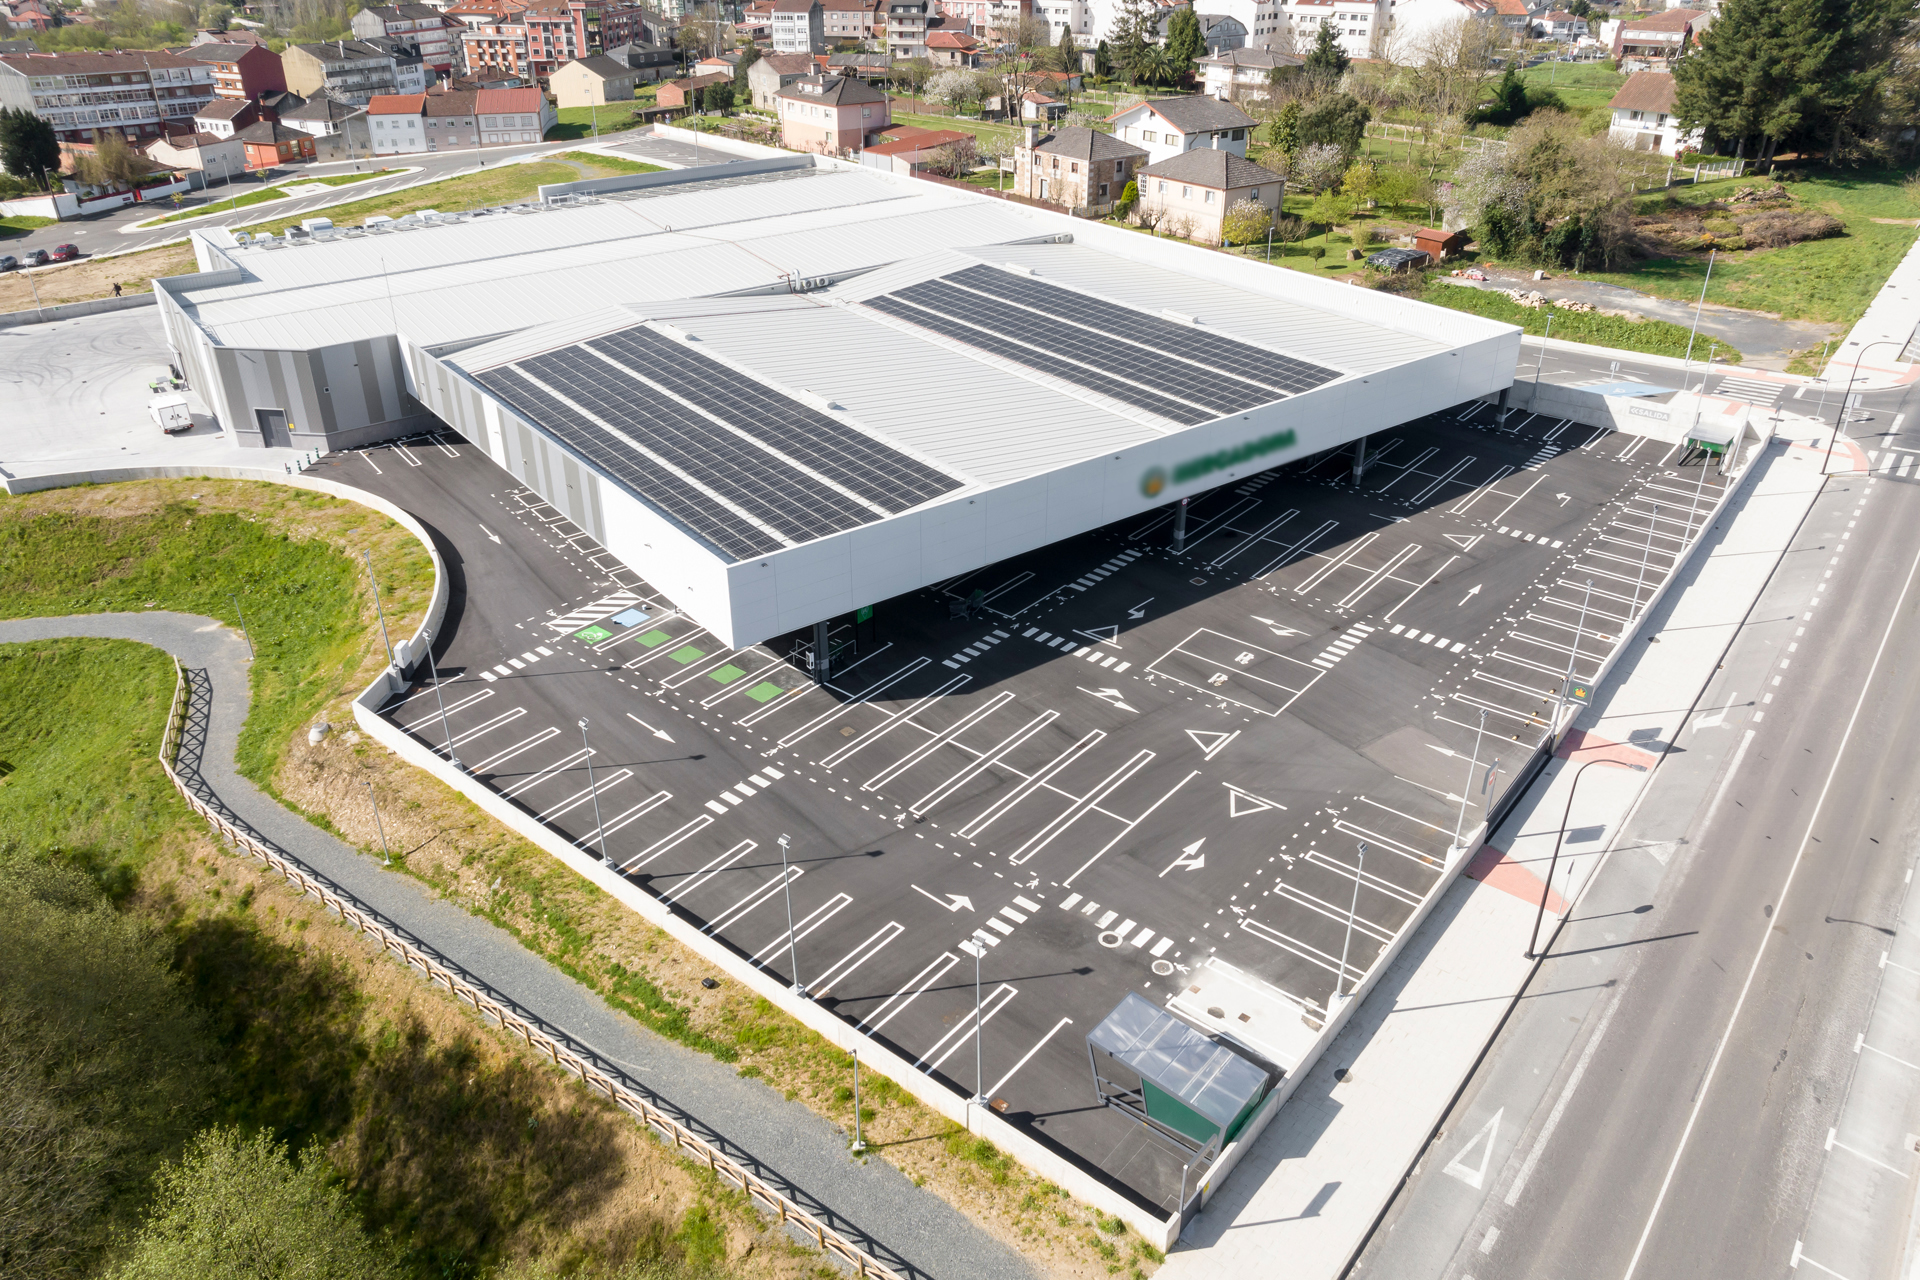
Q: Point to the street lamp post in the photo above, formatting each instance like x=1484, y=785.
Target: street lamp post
x=599, y=830
x=1460, y=827
x=1840, y=416
x=793, y=951
x=1533, y=939
x=859, y=1144
x=1352, y=911
x=445, y=728
x=1578, y=632
x=385, y=853
x=1645, y=556
x=241, y=614
x=378, y=607
x=979, y=1074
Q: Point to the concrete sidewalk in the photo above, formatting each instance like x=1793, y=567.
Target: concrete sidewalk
x=874, y=1203
x=1316, y=1181
x=1882, y=341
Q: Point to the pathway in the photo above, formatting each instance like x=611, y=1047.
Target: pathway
x=874, y=1203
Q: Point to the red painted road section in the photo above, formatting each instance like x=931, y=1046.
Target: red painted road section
x=1494, y=869
x=1581, y=747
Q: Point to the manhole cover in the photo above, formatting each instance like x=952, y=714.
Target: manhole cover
x=1198, y=582
x=1111, y=939
x=1163, y=967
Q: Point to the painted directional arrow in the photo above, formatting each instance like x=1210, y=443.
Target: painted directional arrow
x=1190, y=858
x=1563, y=498
x=1276, y=627
x=951, y=901
x=1140, y=610
x=1470, y=595
x=490, y=533
x=649, y=728
x=1108, y=695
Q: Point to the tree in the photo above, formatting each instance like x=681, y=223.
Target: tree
x=1066, y=54
x=910, y=76
x=1360, y=182
x=29, y=148
x=1185, y=43
x=1328, y=209
x=111, y=164
x=748, y=56
x=1245, y=222
x=1339, y=120
x=236, y=1208
x=1319, y=165
x=1553, y=196
x=1134, y=31
x=1326, y=61
x=954, y=160
x=718, y=97
x=1155, y=66
x=1284, y=130
x=1509, y=102
x=954, y=88
x=1102, y=60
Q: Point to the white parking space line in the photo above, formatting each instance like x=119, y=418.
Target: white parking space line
x=638, y=811
x=987, y=760
x=996, y=1000
x=939, y=740
x=807, y=924
x=843, y=968
x=1030, y=784
x=739, y=909
x=601, y=787
x=692, y=880
x=1078, y=809
x=840, y=709
x=492, y=762
x=907, y=995
x=892, y=722
x=499, y=721
x=667, y=842
x=1127, y=828
x=564, y=763
x=1040, y=1044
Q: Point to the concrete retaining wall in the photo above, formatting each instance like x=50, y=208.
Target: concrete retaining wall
x=73, y=310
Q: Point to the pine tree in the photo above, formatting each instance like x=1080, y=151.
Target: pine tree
x=29, y=148
x=1133, y=33
x=1284, y=132
x=1326, y=62
x=1185, y=44
x=1067, y=52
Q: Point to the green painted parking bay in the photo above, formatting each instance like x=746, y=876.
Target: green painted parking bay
x=765, y=691
x=654, y=639
x=593, y=634
x=686, y=655
x=727, y=674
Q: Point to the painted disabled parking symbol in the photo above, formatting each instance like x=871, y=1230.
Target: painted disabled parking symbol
x=593, y=634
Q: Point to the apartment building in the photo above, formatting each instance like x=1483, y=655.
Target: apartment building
x=421, y=25
x=799, y=26
x=141, y=94
x=862, y=20
x=240, y=71
x=457, y=120
x=907, y=27
x=354, y=71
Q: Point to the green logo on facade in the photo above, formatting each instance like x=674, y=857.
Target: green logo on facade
x=1154, y=482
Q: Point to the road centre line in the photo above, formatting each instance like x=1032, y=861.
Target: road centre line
x=934, y=971
x=938, y=740
x=843, y=968
x=892, y=722
x=733, y=914
x=1038, y=1046
x=1700, y=1095
x=997, y=999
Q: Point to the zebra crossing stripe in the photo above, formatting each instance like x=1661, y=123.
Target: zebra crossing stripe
x=594, y=612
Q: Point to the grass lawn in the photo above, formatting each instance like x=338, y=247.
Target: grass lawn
x=343, y=179
x=223, y=206
x=21, y=223
x=1655, y=337
x=1583, y=86
x=1828, y=280
x=607, y=165
x=503, y=184
x=980, y=129
x=578, y=122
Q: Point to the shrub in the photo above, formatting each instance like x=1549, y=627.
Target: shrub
x=1318, y=252
x=1778, y=227
x=1246, y=221
x=1289, y=228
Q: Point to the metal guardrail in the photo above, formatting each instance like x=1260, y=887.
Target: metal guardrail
x=438, y=970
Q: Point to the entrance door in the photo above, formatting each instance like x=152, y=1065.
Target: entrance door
x=273, y=426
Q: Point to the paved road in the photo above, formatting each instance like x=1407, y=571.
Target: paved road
x=873, y=1202
x=1705, y=1078
x=109, y=232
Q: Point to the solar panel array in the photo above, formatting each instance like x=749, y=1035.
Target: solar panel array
x=1173, y=370
x=850, y=458
x=698, y=512
x=723, y=481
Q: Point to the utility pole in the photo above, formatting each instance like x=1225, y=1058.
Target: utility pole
x=243, y=624
x=599, y=830
x=859, y=1144
x=1579, y=632
x=1460, y=827
x=445, y=728
x=1645, y=556
x=979, y=1075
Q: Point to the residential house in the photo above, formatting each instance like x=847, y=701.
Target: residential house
x=224, y=117
x=654, y=62
x=1168, y=126
x=1035, y=105
x=141, y=94
x=1074, y=167
x=995, y=19
x=353, y=71
x=458, y=120
x=497, y=48
x=1246, y=73
x=15, y=46
x=1643, y=116
x=831, y=115
x=242, y=71
x=849, y=21
x=867, y=66
x=276, y=104
x=594, y=81
x=680, y=93
x=1515, y=15
x=952, y=49
x=1421, y=28
x=232, y=35
x=1222, y=32
x=1657, y=42
x=32, y=15
x=320, y=116
x=418, y=24
x=1190, y=193
x=214, y=158
x=268, y=143
x=724, y=63
x=907, y=28
x=1558, y=24
x=1359, y=26
x=799, y=26
x=774, y=72
x=909, y=150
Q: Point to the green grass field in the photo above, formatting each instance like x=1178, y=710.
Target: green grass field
x=1828, y=280
x=612, y=117
x=505, y=184
x=980, y=129
x=1655, y=337
x=1583, y=86
x=20, y=224
x=608, y=166
x=225, y=206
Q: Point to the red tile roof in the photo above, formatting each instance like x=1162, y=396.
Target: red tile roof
x=396, y=104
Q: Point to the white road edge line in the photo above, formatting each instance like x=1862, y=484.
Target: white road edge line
x=1560, y=1104
x=1713, y=1066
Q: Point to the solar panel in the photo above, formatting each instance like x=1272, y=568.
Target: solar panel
x=849, y=457
x=1202, y=387
x=1021, y=353
x=792, y=503
x=633, y=470
x=1227, y=355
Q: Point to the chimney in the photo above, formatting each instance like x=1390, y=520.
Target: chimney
x=1032, y=136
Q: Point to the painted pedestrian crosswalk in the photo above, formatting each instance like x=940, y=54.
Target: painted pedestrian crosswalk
x=1893, y=462
x=605, y=607
x=1754, y=391
x=1345, y=645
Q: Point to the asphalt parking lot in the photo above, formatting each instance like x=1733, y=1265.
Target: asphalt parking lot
x=1130, y=770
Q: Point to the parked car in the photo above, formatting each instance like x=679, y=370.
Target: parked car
x=65, y=252
x=8, y=262
x=34, y=258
